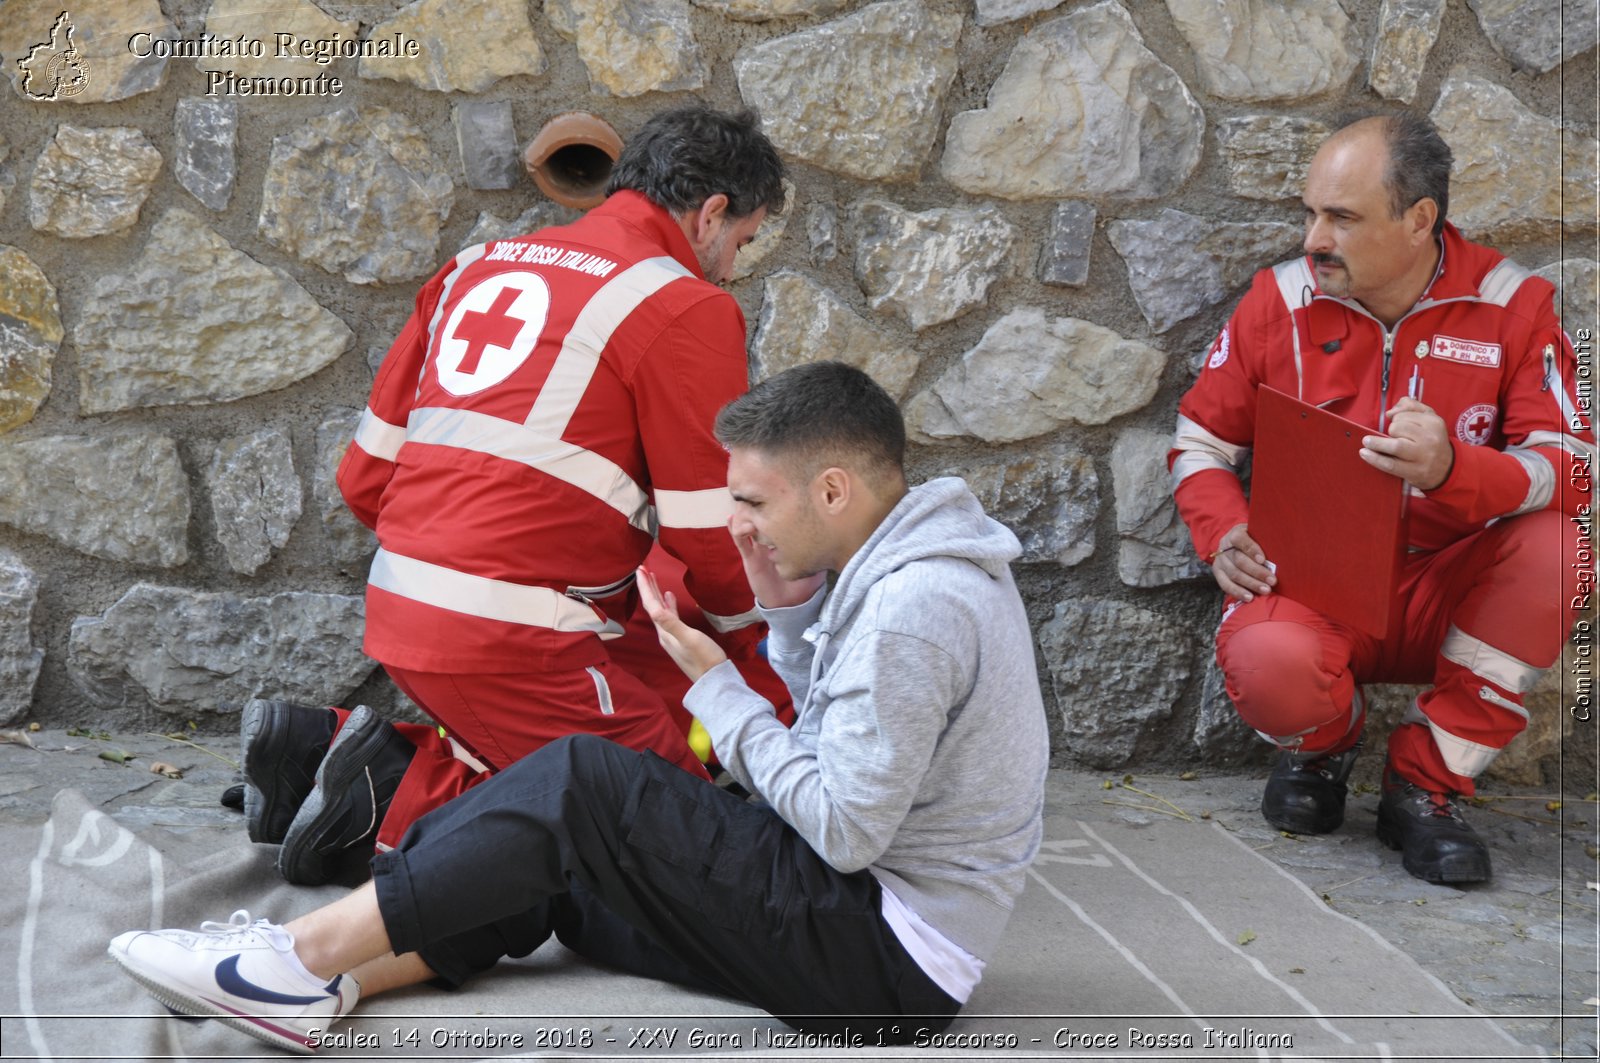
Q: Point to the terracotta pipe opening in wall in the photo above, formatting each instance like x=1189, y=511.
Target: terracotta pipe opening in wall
x=571, y=158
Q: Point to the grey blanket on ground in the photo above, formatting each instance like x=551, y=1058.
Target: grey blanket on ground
x=1159, y=940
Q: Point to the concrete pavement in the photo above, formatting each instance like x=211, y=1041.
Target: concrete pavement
x=1193, y=858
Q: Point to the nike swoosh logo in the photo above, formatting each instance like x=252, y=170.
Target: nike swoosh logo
x=231, y=981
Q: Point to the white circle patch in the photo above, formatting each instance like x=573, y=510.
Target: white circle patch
x=1476, y=424
x=491, y=331
x=1219, y=350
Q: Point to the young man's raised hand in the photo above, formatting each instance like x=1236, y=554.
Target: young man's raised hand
x=692, y=650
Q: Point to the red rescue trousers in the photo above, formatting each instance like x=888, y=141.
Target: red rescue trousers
x=1479, y=620
x=492, y=720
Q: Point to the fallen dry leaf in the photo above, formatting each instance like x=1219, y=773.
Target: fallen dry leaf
x=161, y=768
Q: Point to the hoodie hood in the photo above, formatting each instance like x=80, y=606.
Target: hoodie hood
x=940, y=518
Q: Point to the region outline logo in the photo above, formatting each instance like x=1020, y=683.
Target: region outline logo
x=56, y=65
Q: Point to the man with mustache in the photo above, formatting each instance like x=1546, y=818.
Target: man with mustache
x=1453, y=356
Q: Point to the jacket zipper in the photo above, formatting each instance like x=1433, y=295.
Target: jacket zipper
x=1383, y=383
x=1493, y=697
x=1389, y=336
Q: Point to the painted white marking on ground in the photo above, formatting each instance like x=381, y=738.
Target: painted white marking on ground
x=30, y=924
x=1379, y=938
x=1206, y=924
x=1110, y=939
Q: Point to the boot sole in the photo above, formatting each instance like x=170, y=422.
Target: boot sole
x=251, y=724
x=1293, y=827
x=1463, y=869
x=301, y=860
x=260, y=750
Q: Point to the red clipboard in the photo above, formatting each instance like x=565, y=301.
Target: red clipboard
x=1332, y=524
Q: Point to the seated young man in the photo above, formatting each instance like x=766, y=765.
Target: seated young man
x=900, y=813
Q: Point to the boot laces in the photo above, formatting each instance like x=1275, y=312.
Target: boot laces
x=1441, y=805
x=1331, y=766
x=1327, y=767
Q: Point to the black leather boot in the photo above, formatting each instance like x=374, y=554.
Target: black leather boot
x=280, y=745
x=355, y=783
x=1435, y=843
x=1305, y=793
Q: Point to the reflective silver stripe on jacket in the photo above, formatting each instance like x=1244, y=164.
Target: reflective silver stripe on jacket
x=726, y=624
x=464, y=258
x=1541, y=480
x=710, y=508
x=491, y=599
x=378, y=437
x=1295, y=285
x=537, y=443
x=1500, y=284
x=580, y=351
x=1202, y=450
x=1562, y=398
x=482, y=433
x=1542, y=476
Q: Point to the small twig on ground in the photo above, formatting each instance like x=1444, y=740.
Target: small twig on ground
x=1519, y=815
x=195, y=745
x=1532, y=797
x=1351, y=882
x=1176, y=811
x=1149, y=808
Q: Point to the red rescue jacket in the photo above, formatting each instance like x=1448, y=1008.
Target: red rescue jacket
x=546, y=413
x=1486, y=348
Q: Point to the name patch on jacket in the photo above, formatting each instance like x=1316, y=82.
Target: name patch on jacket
x=545, y=255
x=1467, y=352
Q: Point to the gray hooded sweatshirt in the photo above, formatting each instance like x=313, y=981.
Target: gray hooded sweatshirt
x=919, y=748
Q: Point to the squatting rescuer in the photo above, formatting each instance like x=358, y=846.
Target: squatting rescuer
x=1390, y=306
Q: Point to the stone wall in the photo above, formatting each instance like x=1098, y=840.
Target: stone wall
x=1025, y=217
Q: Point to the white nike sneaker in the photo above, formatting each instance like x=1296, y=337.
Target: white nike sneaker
x=244, y=973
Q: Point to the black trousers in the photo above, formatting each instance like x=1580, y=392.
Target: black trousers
x=634, y=863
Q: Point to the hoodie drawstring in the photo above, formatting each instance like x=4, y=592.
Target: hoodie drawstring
x=819, y=642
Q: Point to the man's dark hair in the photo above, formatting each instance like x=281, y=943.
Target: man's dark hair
x=819, y=415
x=1419, y=165
x=682, y=157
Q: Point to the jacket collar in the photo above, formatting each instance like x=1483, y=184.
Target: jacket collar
x=1462, y=266
x=654, y=222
